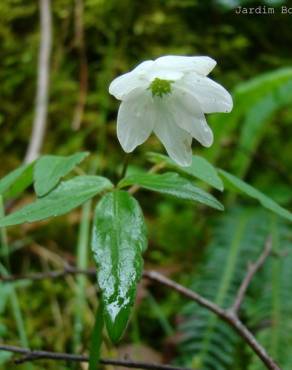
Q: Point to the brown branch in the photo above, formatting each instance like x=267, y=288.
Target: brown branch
x=29, y=355
x=226, y=315
x=161, y=279
x=230, y=315
x=252, y=270
x=83, y=73
x=41, y=108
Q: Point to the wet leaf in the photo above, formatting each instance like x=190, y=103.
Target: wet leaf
x=118, y=240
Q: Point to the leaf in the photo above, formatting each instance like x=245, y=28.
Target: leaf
x=249, y=190
x=175, y=185
x=254, y=92
x=67, y=196
x=5, y=357
x=273, y=303
x=254, y=126
x=5, y=291
x=16, y=181
x=49, y=170
x=200, y=168
x=118, y=240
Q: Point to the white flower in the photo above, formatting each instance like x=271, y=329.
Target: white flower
x=169, y=96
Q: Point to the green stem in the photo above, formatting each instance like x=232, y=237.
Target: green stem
x=96, y=340
x=18, y=318
x=16, y=310
x=276, y=302
x=12, y=292
x=125, y=166
x=82, y=263
x=3, y=236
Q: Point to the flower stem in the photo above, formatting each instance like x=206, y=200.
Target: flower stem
x=125, y=166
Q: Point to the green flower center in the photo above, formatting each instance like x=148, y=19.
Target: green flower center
x=160, y=87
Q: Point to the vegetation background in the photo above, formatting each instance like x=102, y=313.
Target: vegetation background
x=93, y=42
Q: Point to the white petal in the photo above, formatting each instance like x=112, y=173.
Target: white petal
x=135, y=119
x=201, y=64
x=163, y=74
x=143, y=67
x=176, y=141
x=211, y=96
x=124, y=84
x=189, y=116
x=150, y=70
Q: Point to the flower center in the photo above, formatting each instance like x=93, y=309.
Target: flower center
x=160, y=87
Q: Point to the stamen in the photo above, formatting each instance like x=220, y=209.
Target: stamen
x=160, y=87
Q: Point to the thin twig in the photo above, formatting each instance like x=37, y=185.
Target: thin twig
x=29, y=355
x=252, y=270
x=56, y=274
x=83, y=73
x=161, y=279
x=41, y=109
x=228, y=315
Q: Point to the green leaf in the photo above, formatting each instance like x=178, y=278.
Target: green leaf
x=67, y=196
x=49, y=170
x=200, y=168
x=175, y=185
x=249, y=190
x=254, y=126
x=5, y=357
x=246, y=96
x=118, y=240
x=16, y=181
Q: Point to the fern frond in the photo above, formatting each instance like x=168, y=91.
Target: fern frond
x=207, y=342
x=270, y=309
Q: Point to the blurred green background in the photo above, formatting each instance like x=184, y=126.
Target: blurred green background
x=93, y=42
